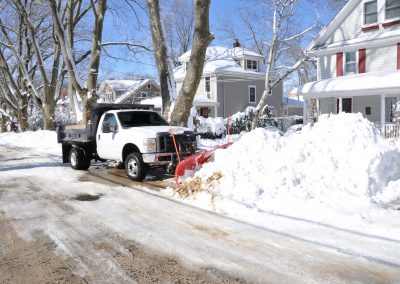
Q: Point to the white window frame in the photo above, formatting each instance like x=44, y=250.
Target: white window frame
x=255, y=94
x=252, y=61
x=344, y=63
x=390, y=19
x=364, y=14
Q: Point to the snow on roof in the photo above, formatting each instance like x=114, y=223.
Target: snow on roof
x=133, y=89
x=119, y=84
x=373, y=39
x=292, y=102
x=156, y=101
x=198, y=101
x=373, y=83
x=213, y=51
x=222, y=60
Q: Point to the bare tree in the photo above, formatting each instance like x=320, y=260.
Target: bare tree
x=161, y=57
x=86, y=92
x=49, y=81
x=202, y=38
x=179, y=27
x=283, y=12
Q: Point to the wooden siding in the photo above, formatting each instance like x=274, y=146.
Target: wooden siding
x=381, y=59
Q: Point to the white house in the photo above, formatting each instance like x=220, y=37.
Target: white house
x=128, y=91
x=358, y=62
x=233, y=79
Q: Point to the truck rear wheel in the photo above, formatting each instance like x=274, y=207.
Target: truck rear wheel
x=78, y=159
x=135, y=168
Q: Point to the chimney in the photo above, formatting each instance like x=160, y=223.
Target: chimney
x=236, y=43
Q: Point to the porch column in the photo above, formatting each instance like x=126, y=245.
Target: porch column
x=318, y=113
x=305, y=111
x=215, y=111
x=383, y=115
x=340, y=105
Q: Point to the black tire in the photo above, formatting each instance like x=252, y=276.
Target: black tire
x=78, y=159
x=135, y=168
x=88, y=159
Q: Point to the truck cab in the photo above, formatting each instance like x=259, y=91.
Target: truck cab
x=140, y=138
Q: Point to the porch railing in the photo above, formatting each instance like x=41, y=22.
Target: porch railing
x=392, y=131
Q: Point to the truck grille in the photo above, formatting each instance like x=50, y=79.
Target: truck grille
x=185, y=142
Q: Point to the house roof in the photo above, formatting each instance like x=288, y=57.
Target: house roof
x=198, y=101
x=134, y=88
x=212, y=51
x=366, y=84
x=117, y=85
x=333, y=25
x=292, y=102
x=374, y=38
x=221, y=60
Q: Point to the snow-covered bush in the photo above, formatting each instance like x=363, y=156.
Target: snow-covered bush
x=63, y=115
x=216, y=128
x=35, y=120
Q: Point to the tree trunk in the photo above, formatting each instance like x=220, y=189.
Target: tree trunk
x=160, y=54
x=49, y=107
x=201, y=40
x=87, y=94
x=3, y=126
x=22, y=116
x=90, y=98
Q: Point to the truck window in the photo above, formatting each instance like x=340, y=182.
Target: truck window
x=109, y=122
x=140, y=118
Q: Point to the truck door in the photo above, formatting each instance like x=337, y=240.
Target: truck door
x=106, y=137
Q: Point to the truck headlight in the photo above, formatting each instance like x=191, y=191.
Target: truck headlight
x=150, y=145
x=197, y=141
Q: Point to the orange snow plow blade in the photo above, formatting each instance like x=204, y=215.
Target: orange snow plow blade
x=191, y=162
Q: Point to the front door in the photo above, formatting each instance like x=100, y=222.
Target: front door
x=347, y=105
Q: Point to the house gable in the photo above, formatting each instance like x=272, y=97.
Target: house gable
x=348, y=30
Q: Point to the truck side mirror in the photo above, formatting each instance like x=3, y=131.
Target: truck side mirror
x=113, y=128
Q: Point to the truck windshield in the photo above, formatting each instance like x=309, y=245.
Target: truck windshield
x=140, y=118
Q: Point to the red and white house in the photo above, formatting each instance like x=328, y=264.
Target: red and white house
x=358, y=62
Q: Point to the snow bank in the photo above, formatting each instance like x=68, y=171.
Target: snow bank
x=42, y=139
x=341, y=163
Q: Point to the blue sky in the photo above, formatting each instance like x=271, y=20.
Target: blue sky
x=121, y=24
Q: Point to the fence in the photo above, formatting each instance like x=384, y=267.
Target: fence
x=392, y=131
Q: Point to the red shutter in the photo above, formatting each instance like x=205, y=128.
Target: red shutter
x=361, y=61
x=339, y=64
x=398, y=56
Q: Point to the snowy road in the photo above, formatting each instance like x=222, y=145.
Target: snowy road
x=128, y=235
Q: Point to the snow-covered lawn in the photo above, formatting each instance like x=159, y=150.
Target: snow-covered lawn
x=336, y=184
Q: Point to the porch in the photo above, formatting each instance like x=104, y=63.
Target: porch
x=376, y=95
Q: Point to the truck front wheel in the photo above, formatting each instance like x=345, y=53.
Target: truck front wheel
x=78, y=159
x=135, y=168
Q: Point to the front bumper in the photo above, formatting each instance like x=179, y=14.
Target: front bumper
x=162, y=158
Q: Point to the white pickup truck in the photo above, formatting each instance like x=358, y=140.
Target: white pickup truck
x=132, y=134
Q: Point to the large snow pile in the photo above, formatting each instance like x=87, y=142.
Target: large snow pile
x=341, y=163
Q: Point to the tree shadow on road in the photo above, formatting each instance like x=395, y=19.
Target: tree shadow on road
x=32, y=166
